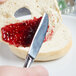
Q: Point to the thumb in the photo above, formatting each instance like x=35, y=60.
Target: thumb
x=15, y=71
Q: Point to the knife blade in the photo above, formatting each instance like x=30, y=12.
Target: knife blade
x=37, y=40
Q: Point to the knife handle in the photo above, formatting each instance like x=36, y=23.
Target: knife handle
x=29, y=60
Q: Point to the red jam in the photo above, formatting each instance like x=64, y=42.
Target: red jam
x=20, y=34
x=50, y=35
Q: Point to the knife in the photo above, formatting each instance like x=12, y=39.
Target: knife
x=37, y=41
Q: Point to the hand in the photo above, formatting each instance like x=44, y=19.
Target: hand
x=14, y=71
x=2, y=1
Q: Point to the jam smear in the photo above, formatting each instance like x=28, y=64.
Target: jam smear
x=20, y=34
x=49, y=36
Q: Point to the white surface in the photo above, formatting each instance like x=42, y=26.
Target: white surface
x=65, y=66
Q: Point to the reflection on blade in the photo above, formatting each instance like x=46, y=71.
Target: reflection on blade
x=39, y=36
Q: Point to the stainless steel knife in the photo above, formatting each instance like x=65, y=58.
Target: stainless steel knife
x=37, y=41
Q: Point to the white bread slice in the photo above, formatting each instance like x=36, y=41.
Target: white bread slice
x=36, y=7
x=57, y=47
x=61, y=40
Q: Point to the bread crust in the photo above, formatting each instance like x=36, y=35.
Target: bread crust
x=44, y=56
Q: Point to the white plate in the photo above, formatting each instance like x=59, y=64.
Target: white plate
x=65, y=66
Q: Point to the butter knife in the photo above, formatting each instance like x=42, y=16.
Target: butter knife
x=37, y=41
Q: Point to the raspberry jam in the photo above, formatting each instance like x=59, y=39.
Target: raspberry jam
x=20, y=34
